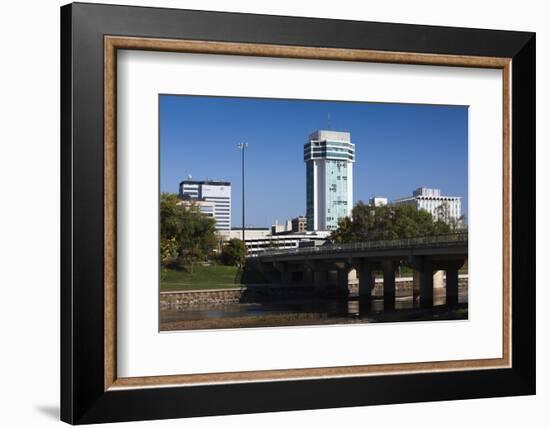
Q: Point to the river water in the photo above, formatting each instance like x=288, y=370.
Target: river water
x=325, y=308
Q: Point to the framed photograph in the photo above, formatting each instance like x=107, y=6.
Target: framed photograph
x=266, y=213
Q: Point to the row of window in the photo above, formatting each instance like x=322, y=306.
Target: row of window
x=332, y=143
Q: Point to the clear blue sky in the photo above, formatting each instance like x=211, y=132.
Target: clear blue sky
x=399, y=147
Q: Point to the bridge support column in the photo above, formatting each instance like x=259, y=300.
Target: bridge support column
x=267, y=270
x=319, y=274
x=451, y=288
x=451, y=268
x=320, y=278
x=342, y=275
x=286, y=277
x=416, y=286
x=342, y=279
x=286, y=273
x=307, y=274
x=388, y=267
x=426, y=285
x=366, y=283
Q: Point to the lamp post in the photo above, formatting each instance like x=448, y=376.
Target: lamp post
x=242, y=147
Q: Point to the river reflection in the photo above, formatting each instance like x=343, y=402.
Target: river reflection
x=350, y=308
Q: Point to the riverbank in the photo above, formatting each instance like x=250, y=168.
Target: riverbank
x=235, y=293
x=200, y=277
x=436, y=313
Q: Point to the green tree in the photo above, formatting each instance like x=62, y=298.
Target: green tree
x=372, y=223
x=168, y=249
x=233, y=252
x=186, y=235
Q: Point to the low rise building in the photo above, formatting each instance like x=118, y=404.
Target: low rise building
x=377, y=201
x=445, y=208
x=260, y=239
x=249, y=233
x=285, y=227
x=286, y=241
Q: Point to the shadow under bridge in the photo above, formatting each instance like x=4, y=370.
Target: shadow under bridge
x=424, y=255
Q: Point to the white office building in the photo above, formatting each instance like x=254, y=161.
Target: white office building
x=445, y=208
x=286, y=241
x=205, y=207
x=217, y=193
x=377, y=201
x=329, y=157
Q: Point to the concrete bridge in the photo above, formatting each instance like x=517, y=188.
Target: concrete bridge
x=425, y=255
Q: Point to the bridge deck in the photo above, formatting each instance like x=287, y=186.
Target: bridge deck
x=444, y=245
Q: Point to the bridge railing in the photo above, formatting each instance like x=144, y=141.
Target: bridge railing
x=418, y=242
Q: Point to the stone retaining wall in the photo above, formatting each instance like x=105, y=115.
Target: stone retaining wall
x=222, y=296
x=178, y=299
x=400, y=285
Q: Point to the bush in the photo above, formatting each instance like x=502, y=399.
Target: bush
x=233, y=252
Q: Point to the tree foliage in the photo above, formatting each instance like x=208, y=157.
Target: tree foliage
x=186, y=235
x=444, y=213
x=233, y=252
x=373, y=223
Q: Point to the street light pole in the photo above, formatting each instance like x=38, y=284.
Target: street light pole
x=242, y=147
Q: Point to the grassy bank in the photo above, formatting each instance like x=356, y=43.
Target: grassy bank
x=199, y=278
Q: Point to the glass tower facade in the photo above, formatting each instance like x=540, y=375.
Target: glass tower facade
x=329, y=157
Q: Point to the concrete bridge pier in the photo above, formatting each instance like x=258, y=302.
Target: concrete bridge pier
x=267, y=270
x=286, y=273
x=423, y=281
x=451, y=288
x=342, y=277
x=366, y=280
x=388, y=268
x=319, y=274
x=307, y=274
x=416, y=286
x=320, y=279
x=426, y=285
x=342, y=280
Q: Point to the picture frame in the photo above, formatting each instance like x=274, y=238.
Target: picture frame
x=91, y=391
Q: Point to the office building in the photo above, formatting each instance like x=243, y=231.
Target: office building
x=278, y=228
x=329, y=157
x=214, y=192
x=445, y=208
x=294, y=225
x=205, y=207
x=377, y=201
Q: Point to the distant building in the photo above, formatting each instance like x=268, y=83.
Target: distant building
x=376, y=201
x=216, y=192
x=260, y=239
x=285, y=241
x=299, y=224
x=285, y=227
x=206, y=207
x=249, y=233
x=295, y=225
x=445, y=208
x=329, y=157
